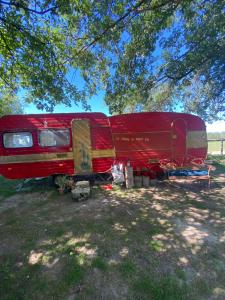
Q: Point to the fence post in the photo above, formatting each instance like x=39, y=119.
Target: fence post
x=221, y=146
x=219, y=151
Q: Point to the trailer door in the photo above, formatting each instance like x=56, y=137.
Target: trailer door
x=82, y=146
x=179, y=147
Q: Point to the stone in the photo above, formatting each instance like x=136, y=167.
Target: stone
x=81, y=191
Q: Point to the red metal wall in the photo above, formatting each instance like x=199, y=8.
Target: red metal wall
x=100, y=138
x=145, y=139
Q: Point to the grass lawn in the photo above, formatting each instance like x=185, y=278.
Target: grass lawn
x=162, y=243
x=215, y=146
x=8, y=187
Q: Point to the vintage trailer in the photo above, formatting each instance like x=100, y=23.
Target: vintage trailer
x=46, y=144
x=159, y=140
x=86, y=143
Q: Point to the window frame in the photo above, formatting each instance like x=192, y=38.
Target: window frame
x=52, y=130
x=17, y=132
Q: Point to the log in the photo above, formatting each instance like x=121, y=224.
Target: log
x=146, y=181
x=138, y=181
x=129, y=177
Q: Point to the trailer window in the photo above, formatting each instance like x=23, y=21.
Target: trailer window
x=54, y=137
x=17, y=140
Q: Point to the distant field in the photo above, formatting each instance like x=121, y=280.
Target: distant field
x=215, y=147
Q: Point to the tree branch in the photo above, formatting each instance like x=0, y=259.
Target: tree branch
x=111, y=26
x=181, y=76
x=135, y=9
x=201, y=62
x=7, y=83
x=158, y=6
x=19, y=5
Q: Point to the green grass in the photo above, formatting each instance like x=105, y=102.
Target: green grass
x=127, y=268
x=26, y=280
x=73, y=271
x=181, y=274
x=99, y=263
x=8, y=187
x=167, y=288
x=215, y=146
x=197, y=204
x=156, y=245
x=29, y=281
x=218, y=163
x=98, y=249
x=11, y=187
x=217, y=158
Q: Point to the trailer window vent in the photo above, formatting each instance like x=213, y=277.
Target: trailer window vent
x=17, y=140
x=54, y=137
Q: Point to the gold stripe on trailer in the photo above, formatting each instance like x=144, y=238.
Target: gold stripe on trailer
x=43, y=157
x=103, y=153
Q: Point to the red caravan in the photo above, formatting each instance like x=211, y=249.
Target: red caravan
x=84, y=143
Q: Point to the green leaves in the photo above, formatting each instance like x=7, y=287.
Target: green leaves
x=9, y=103
x=147, y=55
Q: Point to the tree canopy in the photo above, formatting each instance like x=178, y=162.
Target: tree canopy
x=9, y=103
x=146, y=55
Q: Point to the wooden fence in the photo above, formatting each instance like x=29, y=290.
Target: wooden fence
x=216, y=146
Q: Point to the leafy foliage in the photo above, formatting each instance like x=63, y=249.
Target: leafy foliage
x=184, y=65
x=147, y=55
x=34, y=52
x=9, y=103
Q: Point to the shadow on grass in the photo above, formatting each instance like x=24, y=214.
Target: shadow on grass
x=11, y=187
x=165, y=242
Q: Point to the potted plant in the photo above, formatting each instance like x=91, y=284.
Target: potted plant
x=61, y=182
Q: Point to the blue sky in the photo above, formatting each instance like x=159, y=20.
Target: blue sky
x=97, y=105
